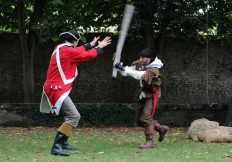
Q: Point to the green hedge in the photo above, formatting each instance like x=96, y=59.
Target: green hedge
x=91, y=115
x=110, y=114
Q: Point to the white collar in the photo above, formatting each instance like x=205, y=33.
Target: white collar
x=156, y=63
x=67, y=43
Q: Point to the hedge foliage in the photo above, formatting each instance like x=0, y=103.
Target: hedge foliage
x=111, y=114
x=91, y=115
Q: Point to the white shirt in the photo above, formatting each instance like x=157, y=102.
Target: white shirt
x=136, y=74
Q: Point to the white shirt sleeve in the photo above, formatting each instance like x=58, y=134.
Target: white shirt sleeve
x=123, y=72
x=130, y=71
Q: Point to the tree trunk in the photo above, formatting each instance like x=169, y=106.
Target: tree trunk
x=146, y=11
x=32, y=38
x=28, y=43
x=164, y=22
x=27, y=91
x=220, y=18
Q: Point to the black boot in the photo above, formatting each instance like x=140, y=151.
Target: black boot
x=57, y=146
x=65, y=145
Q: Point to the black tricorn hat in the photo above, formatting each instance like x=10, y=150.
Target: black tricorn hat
x=70, y=36
x=147, y=52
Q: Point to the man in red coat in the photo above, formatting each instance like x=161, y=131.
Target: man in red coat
x=61, y=73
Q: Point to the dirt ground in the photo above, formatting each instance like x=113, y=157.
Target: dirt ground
x=133, y=130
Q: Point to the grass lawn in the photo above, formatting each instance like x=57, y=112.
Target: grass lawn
x=107, y=145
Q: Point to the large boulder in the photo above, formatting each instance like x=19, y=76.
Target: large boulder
x=209, y=131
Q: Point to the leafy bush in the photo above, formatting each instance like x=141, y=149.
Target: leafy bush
x=91, y=115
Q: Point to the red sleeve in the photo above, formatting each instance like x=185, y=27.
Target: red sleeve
x=79, y=54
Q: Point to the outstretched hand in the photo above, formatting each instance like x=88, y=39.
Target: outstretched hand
x=94, y=41
x=106, y=41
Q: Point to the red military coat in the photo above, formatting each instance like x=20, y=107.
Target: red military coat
x=61, y=73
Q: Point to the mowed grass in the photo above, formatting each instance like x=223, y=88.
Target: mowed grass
x=108, y=145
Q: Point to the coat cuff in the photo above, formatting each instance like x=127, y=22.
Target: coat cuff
x=87, y=46
x=99, y=50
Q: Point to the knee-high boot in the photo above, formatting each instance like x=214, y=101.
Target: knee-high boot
x=65, y=144
x=161, y=129
x=149, y=132
x=57, y=146
x=61, y=138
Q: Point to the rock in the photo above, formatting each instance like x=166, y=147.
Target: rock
x=11, y=118
x=215, y=135
x=209, y=131
x=197, y=126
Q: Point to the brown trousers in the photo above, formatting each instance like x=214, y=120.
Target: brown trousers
x=143, y=113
